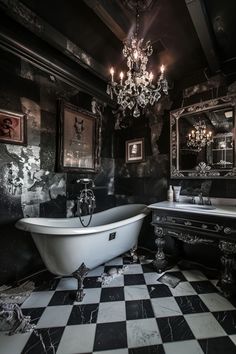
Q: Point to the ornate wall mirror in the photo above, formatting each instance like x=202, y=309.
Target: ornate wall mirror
x=203, y=139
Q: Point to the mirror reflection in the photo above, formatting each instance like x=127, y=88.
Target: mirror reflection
x=203, y=139
x=206, y=136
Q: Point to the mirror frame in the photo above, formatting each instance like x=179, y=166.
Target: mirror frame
x=202, y=170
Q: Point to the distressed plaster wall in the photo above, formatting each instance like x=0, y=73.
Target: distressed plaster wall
x=29, y=183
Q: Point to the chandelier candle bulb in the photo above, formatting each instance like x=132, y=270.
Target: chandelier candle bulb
x=112, y=74
x=121, y=77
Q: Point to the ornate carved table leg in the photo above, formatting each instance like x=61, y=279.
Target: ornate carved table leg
x=80, y=274
x=160, y=261
x=227, y=281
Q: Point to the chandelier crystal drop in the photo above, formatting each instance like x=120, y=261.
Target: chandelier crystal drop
x=136, y=89
x=199, y=137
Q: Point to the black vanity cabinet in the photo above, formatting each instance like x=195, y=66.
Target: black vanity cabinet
x=197, y=228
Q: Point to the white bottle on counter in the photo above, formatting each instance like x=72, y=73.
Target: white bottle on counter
x=170, y=194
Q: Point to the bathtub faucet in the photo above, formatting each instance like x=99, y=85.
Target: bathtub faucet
x=86, y=202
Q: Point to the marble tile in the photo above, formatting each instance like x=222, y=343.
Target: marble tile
x=233, y=338
x=136, y=292
x=183, y=289
x=191, y=304
x=64, y=297
x=143, y=332
x=110, y=336
x=117, y=281
x=134, y=279
x=13, y=344
x=67, y=284
x=221, y=345
x=83, y=314
x=44, y=340
x=112, y=294
x=159, y=290
x=38, y=299
x=115, y=262
x=115, y=351
x=216, y=302
x=134, y=269
x=194, y=275
x=152, y=278
x=108, y=312
x=204, y=287
x=183, y=347
x=165, y=307
x=34, y=313
x=138, y=309
x=96, y=272
x=204, y=325
x=54, y=316
x=174, y=329
x=149, y=349
x=77, y=339
x=92, y=282
x=227, y=320
x=92, y=296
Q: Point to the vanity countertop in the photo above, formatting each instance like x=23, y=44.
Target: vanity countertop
x=214, y=210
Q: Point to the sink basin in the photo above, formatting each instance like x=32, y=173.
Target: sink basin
x=195, y=206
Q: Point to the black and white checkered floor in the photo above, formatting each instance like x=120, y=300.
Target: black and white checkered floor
x=133, y=314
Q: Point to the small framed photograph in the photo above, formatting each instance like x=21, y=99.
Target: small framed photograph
x=134, y=150
x=12, y=128
x=78, y=139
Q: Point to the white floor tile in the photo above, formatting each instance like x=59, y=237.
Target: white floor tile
x=233, y=338
x=110, y=312
x=13, y=344
x=38, y=299
x=55, y=316
x=115, y=351
x=204, y=325
x=165, y=307
x=136, y=292
x=67, y=284
x=152, y=278
x=133, y=269
x=183, y=347
x=92, y=296
x=194, y=275
x=117, y=281
x=142, y=333
x=77, y=339
x=96, y=272
x=115, y=261
x=216, y=302
x=183, y=289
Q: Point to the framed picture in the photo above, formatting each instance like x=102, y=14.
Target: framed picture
x=78, y=139
x=134, y=150
x=12, y=128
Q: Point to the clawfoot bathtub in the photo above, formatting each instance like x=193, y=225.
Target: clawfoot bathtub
x=67, y=248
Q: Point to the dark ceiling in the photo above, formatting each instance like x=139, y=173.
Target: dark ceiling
x=187, y=35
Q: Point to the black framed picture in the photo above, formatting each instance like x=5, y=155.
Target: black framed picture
x=12, y=128
x=78, y=139
x=134, y=150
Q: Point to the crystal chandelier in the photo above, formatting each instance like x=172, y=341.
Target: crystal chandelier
x=199, y=137
x=135, y=91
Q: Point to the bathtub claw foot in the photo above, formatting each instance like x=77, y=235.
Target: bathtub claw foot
x=133, y=254
x=80, y=274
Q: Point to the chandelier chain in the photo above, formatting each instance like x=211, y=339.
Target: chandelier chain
x=137, y=20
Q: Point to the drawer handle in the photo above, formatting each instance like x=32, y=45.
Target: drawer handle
x=227, y=230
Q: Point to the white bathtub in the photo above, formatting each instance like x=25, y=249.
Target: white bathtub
x=64, y=245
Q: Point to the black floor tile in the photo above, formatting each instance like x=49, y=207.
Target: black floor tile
x=138, y=309
x=91, y=282
x=134, y=279
x=152, y=349
x=112, y=294
x=177, y=274
x=227, y=320
x=159, y=290
x=45, y=340
x=110, y=336
x=34, y=313
x=203, y=287
x=174, y=329
x=191, y=304
x=219, y=345
x=83, y=314
x=47, y=285
x=65, y=297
